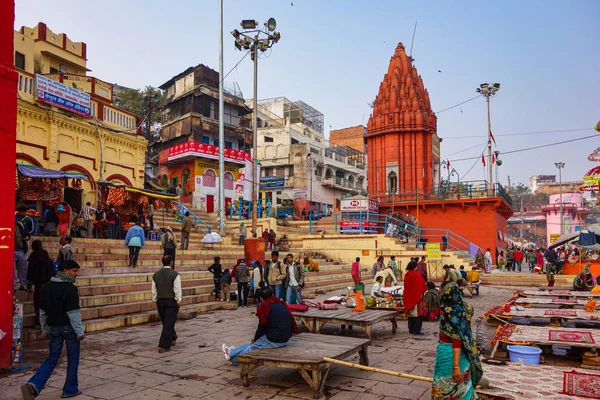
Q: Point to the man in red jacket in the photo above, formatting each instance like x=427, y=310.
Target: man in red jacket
x=519, y=259
x=414, y=287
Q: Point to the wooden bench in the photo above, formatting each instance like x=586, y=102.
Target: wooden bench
x=305, y=352
x=473, y=288
x=315, y=319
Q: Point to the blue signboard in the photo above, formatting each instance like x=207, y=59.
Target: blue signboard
x=271, y=182
x=60, y=95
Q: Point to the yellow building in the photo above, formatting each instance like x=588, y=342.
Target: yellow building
x=103, y=143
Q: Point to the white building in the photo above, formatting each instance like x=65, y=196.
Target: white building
x=297, y=163
x=536, y=181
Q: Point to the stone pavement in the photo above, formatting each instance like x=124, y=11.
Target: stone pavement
x=124, y=364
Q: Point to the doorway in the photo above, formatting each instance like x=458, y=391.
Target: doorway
x=210, y=203
x=174, y=182
x=227, y=205
x=73, y=198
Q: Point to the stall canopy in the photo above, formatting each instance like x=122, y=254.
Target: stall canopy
x=37, y=172
x=589, y=239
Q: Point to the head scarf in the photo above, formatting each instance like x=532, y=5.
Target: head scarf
x=454, y=323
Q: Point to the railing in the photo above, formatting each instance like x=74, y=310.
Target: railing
x=181, y=210
x=371, y=223
x=243, y=209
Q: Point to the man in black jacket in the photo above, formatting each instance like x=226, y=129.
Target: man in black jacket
x=275, y=327
x=60, y=318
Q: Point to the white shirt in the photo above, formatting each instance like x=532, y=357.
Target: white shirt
x=292, y=275
x=176, y=289
x=376, y=290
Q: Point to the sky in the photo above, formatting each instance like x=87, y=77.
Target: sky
x=333, y=55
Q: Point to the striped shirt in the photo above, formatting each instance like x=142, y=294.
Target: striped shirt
x=87, y=213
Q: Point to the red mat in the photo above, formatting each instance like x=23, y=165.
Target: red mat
x=581, y=384
x=560, y=292
x=570, y=336
x=574, y=301
x=561, y=313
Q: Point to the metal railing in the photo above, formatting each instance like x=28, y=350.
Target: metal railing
x=198, y=223
x=243, y=209
x=371, y=223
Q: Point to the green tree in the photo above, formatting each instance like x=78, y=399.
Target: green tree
x=531, y=201
x=147, y=104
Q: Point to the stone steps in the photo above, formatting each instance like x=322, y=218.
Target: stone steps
x=525, y=279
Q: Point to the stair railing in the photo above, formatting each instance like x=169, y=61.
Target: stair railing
x=198, y=223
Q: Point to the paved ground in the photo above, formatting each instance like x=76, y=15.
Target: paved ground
x=124, y=364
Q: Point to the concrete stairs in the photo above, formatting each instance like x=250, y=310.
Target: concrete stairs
x=525, y=279
x=113, y=295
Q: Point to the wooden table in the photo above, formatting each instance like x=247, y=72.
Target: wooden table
x=315, y=319
x=305, y=352
x=547, y=302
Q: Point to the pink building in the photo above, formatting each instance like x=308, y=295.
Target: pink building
x=573, y=213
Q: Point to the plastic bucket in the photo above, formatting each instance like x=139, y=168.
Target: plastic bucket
x=524, y=354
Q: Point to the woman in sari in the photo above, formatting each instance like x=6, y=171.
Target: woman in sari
x=480, y=260
x=310, y=265
x=414, y=287
x=457, y=368
x=433, y=303
x=583, y=281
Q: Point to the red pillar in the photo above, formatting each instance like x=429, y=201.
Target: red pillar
x=8, y=126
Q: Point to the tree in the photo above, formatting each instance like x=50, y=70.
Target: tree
x=147, y=104
x=531, y=201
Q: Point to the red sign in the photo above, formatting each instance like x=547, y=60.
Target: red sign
x=356, y=224
x=195, y=149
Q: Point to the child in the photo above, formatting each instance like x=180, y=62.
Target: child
x=225, y=283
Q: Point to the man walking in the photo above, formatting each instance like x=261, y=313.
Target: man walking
x=518, y=258
x=168, y=242
x=151, y=215
x=242, y=234
x=87, y=214
x=60, y=319
x=166, y=292
x=186, y=228
x=275, y=275
x=242, y=274
x=294, y=280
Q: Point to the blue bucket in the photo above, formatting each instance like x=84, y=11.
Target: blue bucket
x=524, y=354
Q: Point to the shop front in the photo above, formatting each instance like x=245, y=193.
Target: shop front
x=195, y=167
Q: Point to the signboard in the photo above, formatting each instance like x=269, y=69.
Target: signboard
x=271, y=182
x=435, y=145
x=433, y=251
x=353, y=227
x=553, y=237
x=300, y=194
x=359, y=205
x=62, y=96
x=196, y=149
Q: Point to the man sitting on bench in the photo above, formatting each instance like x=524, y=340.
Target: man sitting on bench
x=275, y=327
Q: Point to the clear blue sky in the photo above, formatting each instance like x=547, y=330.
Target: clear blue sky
x=333, y=55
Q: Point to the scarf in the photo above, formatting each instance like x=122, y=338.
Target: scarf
x=414, y=287
x=454, y=323
x=64, y=277
x=263, y=310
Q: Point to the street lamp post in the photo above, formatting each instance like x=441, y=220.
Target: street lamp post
x=488, y=90
x=253, y=43
x=560, y=166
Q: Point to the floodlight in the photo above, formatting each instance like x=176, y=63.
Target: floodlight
x=483, y=85
x=276, y=37
x=497, y=85
x=235, y=33
x=271, y=24
x=238, y=45
x=249, y=24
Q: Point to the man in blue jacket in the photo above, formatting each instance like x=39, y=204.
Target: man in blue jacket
x=60, y=318
x=275, y=327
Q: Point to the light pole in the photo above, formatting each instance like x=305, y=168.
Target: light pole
x=247, y=42
x=560, y=166
x=488, y=90
x=221, y=129
x=309, y=175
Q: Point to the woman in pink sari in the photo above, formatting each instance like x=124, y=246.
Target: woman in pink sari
x=63, y=211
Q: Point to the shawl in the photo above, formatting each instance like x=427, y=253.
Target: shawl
x=64, y=277
x=263, y=310
x=454, y=323
x=414, y=287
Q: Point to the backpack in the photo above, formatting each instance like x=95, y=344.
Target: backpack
x=169, y=243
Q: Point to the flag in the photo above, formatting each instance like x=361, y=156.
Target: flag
x=492, y=136
x=448, y=163
x=482, y=159
x=493, y=159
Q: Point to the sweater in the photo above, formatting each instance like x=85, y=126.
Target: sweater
x=166, y=284
x=59, y=306
x=279, y=328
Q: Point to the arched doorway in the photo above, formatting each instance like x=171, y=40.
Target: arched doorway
x=209, y=178
x=228, y=183
x=185, y=181
x=328, y=174
x=351, y=181
x=392, y=183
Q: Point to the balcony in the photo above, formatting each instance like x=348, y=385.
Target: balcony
x=337, y=183
x=26, y=86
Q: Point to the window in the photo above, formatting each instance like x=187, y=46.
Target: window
x=230, y=115
x=205, y=140
x=291, y=171
x=19, y=60
x=268, y=171
x=228, y=181
x=278, y=198
x=392, y=182
x=229, y=145
x=280, y=172
x=20, y=83
x=209, y=179
x=53, y=70
x=241, y=145
x=268, y=139
x=212, y=109
x=216, y=142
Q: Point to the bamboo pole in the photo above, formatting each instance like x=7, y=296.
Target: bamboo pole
x=380, y=371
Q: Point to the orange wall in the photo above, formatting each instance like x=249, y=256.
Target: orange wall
x=478, y=221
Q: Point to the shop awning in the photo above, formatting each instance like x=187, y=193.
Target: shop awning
x=154, y=186
x=37, y=172
x=152, y=193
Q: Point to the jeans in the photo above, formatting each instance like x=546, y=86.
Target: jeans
x=277, y=290
x=167, y=310
x=531, y=265
x=243, y=288
x=242, y=240
x=111, y=231
x=185, y=240
x=58, y=335
x=21, y=268
x=89, y=228
x=134, y=252
x=518, y=265
x=261, y=343
x=288, y=294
